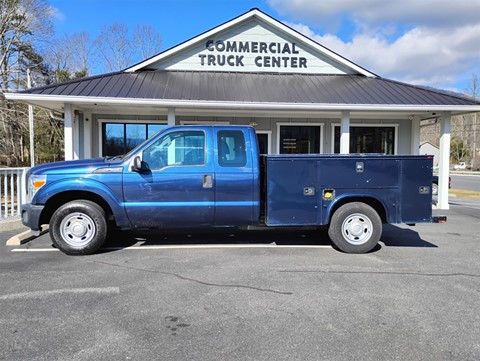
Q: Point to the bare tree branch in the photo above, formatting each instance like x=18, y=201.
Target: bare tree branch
x=115, y=47
x=147, y=41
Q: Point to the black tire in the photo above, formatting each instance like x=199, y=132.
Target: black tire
x=79, y=227
x=355, y=228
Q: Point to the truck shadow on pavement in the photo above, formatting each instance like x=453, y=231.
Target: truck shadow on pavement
x=392, y=236
x=217, y=237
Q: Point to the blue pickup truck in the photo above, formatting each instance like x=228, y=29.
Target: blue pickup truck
x=213, y=176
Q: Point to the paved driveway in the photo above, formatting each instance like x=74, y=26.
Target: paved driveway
x=416, y=297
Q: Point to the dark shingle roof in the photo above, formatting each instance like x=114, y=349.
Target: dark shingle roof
x=253, y=88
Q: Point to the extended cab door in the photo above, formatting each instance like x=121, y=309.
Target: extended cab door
x=176, y=189
x=236, y=177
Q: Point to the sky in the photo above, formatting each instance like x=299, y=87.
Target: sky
x=433, y=43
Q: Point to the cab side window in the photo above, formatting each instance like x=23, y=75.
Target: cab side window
x=177, y=148
x=231, y=148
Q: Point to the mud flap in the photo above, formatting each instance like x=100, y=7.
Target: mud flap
x=439, y=219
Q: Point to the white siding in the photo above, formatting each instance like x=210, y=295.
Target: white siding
x=264, y=54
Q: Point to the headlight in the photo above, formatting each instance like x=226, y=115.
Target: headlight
x=35, y=182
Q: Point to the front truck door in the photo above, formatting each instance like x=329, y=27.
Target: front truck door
x=236, y=193
x=177, y=190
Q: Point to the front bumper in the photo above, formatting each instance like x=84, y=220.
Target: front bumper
x=31, y=216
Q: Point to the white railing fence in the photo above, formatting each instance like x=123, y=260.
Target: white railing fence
x=12, y=191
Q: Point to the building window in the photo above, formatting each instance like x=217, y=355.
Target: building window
x=367, y=139
x=263, y=142
x=120, y=138
x=299, y=139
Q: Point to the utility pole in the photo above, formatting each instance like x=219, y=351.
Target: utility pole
x=30, y=123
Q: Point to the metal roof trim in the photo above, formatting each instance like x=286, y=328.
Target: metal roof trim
x=240, y=105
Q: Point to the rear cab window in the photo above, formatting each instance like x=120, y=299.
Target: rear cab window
x=231, y=148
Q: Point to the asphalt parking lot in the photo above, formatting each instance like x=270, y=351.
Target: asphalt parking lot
x=248, y=296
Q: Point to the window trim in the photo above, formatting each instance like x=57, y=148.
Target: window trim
x=203, y=122
x=371, y=125
x=282, y=124
x=269, y=139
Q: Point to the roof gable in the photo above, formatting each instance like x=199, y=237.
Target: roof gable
x=235, y=47
x=428, y=145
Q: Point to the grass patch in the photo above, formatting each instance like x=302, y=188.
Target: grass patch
x=461, y=193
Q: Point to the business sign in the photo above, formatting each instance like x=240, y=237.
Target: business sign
x=257, y=54
x=251, y=47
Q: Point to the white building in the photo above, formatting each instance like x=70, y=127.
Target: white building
x=428, y=148
x=300, y=96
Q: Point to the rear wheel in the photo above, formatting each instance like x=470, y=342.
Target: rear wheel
x=79, y=227
x=355, y=228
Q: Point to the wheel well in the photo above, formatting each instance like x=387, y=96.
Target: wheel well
x=59, y=199
x=372, y=202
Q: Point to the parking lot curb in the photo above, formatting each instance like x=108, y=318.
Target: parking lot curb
x=25, y=237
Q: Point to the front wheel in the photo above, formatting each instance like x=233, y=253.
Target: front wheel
x=79, y=227
x=355, y=228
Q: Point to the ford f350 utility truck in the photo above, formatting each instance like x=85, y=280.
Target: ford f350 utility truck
x=213, y=176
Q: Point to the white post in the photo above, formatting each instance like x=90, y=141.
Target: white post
x=23, y=187
x=474, y=153
x=444, y=164
x=76, y=135
x=30, y=124
x=171, y=117
x=415, y=138
x=68, y=130
x=87, y=134
x=345, y=133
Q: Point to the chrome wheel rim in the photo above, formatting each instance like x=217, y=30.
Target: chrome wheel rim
x=357, y=229
x=77, y=229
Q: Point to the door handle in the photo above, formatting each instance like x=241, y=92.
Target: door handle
x=207, y=181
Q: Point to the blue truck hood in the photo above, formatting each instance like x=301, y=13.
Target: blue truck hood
x=84, y=166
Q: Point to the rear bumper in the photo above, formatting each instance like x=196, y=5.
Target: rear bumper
x=31, y=216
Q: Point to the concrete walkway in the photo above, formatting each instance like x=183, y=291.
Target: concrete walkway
x=11, y=224
x=23, y=234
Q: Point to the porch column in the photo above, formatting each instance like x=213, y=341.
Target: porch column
x=444, y=164
x=87, y=135
x=415, y=137
x=171, y=117
x=76, y=135
x=68, y=131
x=345, y=133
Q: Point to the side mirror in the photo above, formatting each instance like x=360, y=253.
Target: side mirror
x=138, y=165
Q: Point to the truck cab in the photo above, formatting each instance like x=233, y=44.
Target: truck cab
x=183, y=177
x=194, y=176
